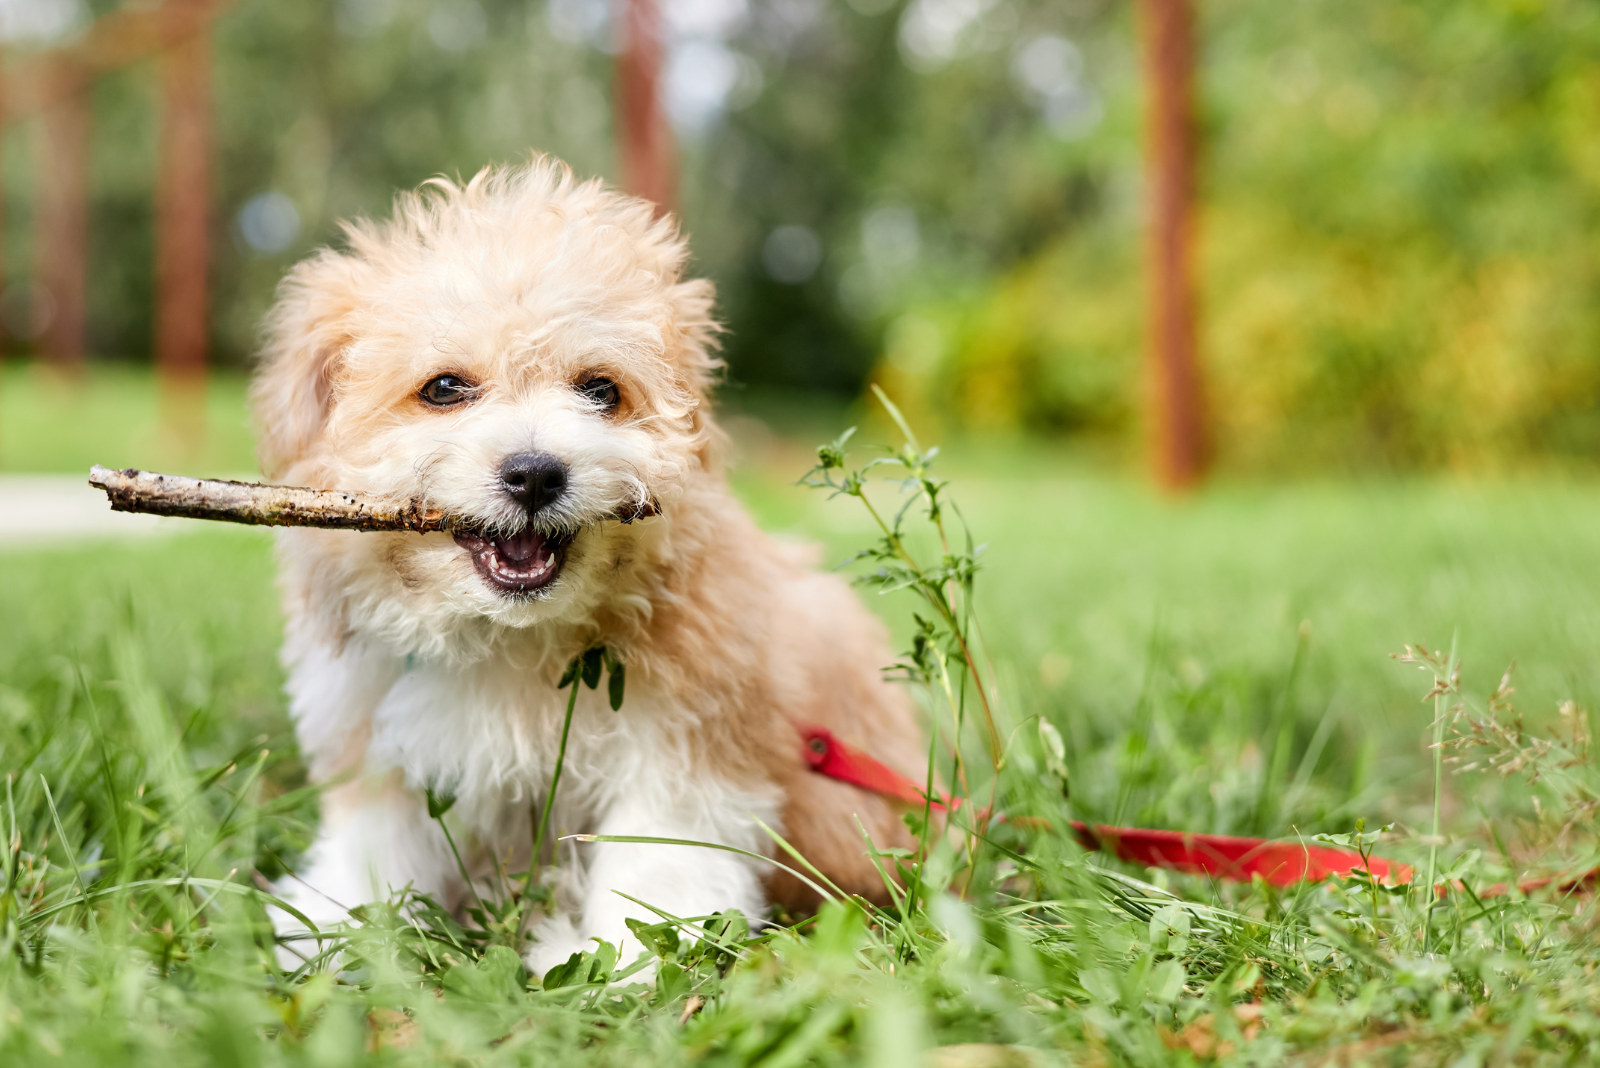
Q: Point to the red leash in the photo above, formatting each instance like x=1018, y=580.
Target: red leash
x=1220, y=856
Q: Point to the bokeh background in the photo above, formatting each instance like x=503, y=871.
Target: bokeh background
x=1396, y=208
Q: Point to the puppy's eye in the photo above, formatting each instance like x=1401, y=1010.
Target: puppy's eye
x=446, y=390
x=601, y=392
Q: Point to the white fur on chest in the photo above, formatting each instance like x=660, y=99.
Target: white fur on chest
x=488, y=733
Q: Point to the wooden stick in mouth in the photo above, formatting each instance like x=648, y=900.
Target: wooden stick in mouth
x=256, y=504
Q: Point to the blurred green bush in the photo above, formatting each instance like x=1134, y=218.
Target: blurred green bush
x=1398, y=252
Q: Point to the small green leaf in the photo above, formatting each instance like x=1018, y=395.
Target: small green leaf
x=840, y=929
x=573, y=970
x=593, y=659
x=672, y=982
x=831, y=456
x=569, y=676
x=604, y=961
x=616, y=684
x=1169, y=930
x=1100, y=985
x=439, y=804
x=500, y=974
x=1055, y=754
x=661, y=937
x=1166, y=981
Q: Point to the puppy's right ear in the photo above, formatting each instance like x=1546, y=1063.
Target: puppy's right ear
x=307, y=333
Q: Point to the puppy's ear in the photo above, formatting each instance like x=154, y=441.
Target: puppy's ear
x=694, y=353
x=694, y=350
x=307, y=333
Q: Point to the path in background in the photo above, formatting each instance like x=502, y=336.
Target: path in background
x=53, y=428
x=49, y=509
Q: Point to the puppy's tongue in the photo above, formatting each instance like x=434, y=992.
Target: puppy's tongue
x=524, y=549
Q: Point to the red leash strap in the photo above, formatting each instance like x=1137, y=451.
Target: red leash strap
x=1223, y=856
x=1220, y=856
x=1217, y=855
x=829, y=756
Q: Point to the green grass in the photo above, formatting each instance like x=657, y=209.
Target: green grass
x=1215, y=664
x=116, y=415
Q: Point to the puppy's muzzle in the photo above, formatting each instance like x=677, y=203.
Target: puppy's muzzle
x=528, y=561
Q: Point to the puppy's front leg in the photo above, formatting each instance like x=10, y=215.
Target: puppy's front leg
x=376, y=838
x=375, y=835
x=684, y=881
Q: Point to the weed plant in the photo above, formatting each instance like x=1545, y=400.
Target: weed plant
x=144, y=830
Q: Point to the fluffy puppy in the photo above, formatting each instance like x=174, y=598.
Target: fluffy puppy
x=524, y=350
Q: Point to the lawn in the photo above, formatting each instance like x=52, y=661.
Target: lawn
x=117, y=415
x=1218, y=663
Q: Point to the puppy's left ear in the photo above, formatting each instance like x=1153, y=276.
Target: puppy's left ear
x=694, y=349
x=307, y=333
x=694, y=354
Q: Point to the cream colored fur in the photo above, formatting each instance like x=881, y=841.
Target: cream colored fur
x=407, y=670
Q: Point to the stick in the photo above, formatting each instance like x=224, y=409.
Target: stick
x=250, y=502
x=255, y=504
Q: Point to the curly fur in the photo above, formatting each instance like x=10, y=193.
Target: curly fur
x=407, y=670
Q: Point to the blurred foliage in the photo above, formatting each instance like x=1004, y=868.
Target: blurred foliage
x=902, y=161
x=1397, y=263
x=925, y=162
x=1399, y=199
x=332, y=107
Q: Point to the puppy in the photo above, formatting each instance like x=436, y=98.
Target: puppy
x=524, y=350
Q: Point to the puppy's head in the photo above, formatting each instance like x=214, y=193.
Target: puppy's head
x=521, y=351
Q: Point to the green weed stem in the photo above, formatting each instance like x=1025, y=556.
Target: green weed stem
x=555, y=781
x=944, y=610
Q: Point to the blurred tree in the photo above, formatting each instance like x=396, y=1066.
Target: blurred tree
x=322, y=111
x=898, y=150
x=648, y=157
x=1175, y=423
x=890, y=144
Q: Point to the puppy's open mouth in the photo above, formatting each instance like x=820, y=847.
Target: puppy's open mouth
x=525, y=562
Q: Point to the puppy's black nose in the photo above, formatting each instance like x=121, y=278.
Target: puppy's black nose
x=534, y=479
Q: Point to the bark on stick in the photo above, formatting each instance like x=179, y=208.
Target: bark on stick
x=258, y=505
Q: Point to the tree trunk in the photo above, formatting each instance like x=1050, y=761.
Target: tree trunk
x=1176, y=419
x=644, y=139
x=183, y=201
x=63, y=227
x=182, y=209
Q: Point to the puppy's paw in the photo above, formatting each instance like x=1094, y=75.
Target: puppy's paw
x=557, y=939
x=554, y=940
x=299, y=945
